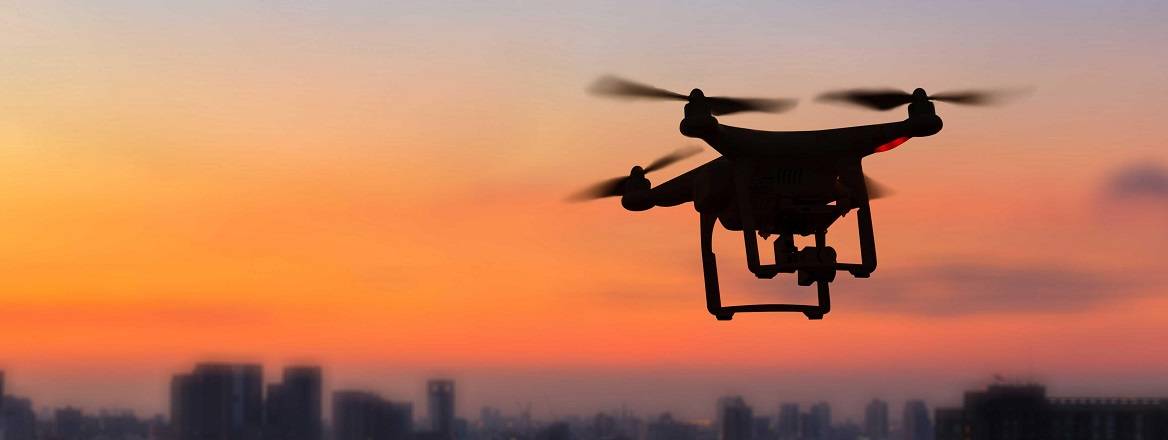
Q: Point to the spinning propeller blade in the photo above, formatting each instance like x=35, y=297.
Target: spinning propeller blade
x=887, y=99
x=605, y=188
x=719, y=105
x=876, y=99
x=615, y=186
x=671, y=158
x=622, y=88
x=723, y=106
x=876, y=190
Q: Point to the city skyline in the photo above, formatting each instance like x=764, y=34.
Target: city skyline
x=227, y=401
x=707, y=412
x=203, y=401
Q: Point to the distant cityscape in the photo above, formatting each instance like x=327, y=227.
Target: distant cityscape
x=220, y=401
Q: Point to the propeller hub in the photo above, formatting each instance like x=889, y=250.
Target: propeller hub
x=696, y=94
x=919, y=93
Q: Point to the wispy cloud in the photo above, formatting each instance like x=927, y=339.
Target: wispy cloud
x=1139, y=180
x=977, y=288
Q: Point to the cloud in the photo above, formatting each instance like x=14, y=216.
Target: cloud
x=978, y=288
x=948, y=289
x=1139, y=180
x=1135, y=198
x=964, y=289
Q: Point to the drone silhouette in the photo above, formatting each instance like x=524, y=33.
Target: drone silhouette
x=781, y=183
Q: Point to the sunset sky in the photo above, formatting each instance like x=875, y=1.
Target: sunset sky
x=378, y=187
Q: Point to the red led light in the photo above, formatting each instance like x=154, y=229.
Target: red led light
x=893, y=144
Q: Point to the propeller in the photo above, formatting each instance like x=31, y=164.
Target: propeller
x=887, y=99
x=876, y=190
x=615, y=186
x=719, y=105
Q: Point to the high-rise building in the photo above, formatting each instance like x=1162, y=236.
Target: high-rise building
x=399, y=420
x=916, y=423
x=876, y=420
x=440, y=407
x=293, y=407
x=275, y=412
x=356, y=415
x=762, y=429
x=817, y=425
x=17, y=419
x=720, y=409
x=218, y=401
x=68, y=423
x=950, y=424
x=360, y=415
x=788, y=424
x=491, y=419
x=1025, y=412
x=735, y=419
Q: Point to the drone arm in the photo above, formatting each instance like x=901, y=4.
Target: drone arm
x=637, y=201
x=672, y=192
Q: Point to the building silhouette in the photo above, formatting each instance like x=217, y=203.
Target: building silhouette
x=876, y=420
x=218, y=402
x=817, y=422
x=225, y=402
x=17, y=420
x=116, y=425
x=916, y=423
x=719, y=408
x=293, y=407
x=762, y=429
x=666, y=427
x=735, y=419
x=440, y=407
x=848, y=431
x=1020, y=412
x=361, y=415
x=787, y=426
x=555, y=431
x=68, y=424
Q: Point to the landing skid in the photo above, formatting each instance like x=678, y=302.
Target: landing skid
x=726, y=313
x=814, y=265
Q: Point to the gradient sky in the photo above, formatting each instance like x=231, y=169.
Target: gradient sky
x=377, y=186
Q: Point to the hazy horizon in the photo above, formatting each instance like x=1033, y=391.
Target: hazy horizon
x=689, y=395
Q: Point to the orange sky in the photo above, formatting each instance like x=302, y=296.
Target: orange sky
x=380, y=190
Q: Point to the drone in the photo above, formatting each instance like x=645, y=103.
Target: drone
x=780, y=183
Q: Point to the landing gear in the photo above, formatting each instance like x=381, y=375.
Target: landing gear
x=813, y=264
x=823, y=276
